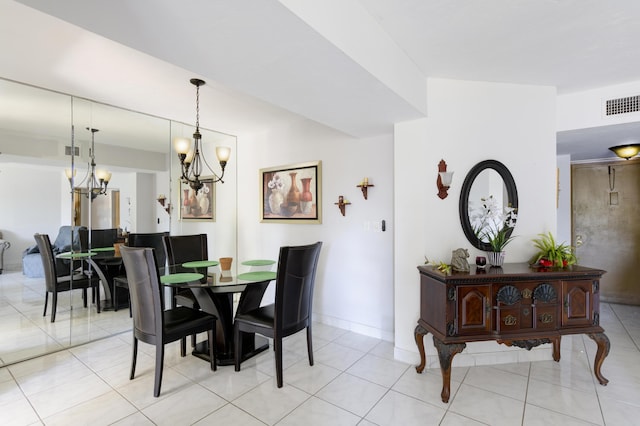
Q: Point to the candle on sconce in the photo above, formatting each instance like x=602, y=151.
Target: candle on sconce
x=366, y=181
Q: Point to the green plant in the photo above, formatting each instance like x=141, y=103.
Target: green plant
x=551, y=253
x=499, y=239
x=440, y=266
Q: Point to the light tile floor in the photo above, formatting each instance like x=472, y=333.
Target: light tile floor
x=355, y=381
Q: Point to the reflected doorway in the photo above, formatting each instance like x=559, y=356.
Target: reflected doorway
x=101, y=213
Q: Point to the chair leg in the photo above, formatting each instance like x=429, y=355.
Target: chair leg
x=115, y=298
x=212, y=347
x=84, y=297
x=97, y=287
x=183, y=347
x=309, y=344
x=193, y=340
x=46, y=300
x=159, y=367
x=237, y=346
x=130, y=311
x=134, y=357
x=277, y=342
x=54, y=305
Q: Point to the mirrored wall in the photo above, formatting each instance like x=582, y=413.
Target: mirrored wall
x=42, y=133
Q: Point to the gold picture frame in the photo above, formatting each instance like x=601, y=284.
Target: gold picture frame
x=291, y=193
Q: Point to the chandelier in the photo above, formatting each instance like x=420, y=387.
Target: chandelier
x=96, y=180
x=626, y=151
x=192, y=157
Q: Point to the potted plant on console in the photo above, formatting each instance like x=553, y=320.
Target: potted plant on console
x=551, y=254
x=493, y=224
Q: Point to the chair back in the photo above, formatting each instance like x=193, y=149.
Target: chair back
x=294, y=287
x=99, y=237
x=48, y=261
x=152, y=240
x=186, y=248
x=145, y=291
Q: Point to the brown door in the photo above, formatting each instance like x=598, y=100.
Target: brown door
x=606, y=225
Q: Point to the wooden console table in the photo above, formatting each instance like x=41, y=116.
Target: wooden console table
x=515, y=305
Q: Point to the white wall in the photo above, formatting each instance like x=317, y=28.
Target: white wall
x=585, y=109
x=31, y=202
x=468, y=122
x=354, y=283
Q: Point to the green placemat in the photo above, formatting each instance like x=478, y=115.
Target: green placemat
x=182, y=277
x=70, y=255
x=98, y=249
x=200, y=263
x=258, y=262
x=257, y=276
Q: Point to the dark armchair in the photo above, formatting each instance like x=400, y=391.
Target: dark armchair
x=152, y=240
x=181, y=249
x=291, y=311
x=153, y=324
x=56, y=283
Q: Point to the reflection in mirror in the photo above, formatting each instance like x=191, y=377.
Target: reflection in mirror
x=488, y=198
x=35, y=139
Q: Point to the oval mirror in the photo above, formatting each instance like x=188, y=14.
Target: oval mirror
x=487, y=180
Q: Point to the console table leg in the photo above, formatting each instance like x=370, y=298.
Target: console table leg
x=556, y=348
x=446, y=352
x=603, y=350
x=419, y=334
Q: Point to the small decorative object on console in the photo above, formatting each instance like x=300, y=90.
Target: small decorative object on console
x=459, y=260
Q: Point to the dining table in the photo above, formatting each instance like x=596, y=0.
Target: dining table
x=104, y=262
x=215, y=295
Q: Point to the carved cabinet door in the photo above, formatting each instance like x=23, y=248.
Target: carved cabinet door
x=474, y=309
x=577, y=299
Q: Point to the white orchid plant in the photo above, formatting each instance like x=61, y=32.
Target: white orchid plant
x=492, y=223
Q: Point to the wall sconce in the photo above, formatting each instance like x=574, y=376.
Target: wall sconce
x=626, y=151
x=342, y=203
x=364, y=185
x=444, y=179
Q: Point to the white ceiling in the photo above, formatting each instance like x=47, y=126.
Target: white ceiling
x=265, y=64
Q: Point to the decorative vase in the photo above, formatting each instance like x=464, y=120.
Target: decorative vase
x=306, y=199
x=267, y=192
x=276, y=198
x=495, y=258
x=193, y=203
x=293, y=196
x=185, y=202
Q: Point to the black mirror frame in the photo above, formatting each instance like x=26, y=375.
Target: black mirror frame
x=463, y=206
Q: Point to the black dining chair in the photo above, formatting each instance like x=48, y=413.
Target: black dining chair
x=181, y=249
x=153, y=324
x=291, y=312
x=152, y=240
x=56, y=284
x=99, y=237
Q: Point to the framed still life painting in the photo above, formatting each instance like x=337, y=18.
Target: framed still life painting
x=292, y=193
x=198, y=205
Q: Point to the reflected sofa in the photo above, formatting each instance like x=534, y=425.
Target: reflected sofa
x=68, y=238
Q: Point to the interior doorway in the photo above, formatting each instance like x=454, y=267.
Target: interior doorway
x=104, y=210
x=606, y=230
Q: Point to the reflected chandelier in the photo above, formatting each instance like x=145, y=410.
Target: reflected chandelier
x=191, y=158
x=96, y=180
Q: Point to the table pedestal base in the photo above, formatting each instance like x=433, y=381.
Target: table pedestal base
x=249, y=349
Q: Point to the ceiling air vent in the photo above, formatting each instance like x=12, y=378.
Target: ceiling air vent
x=67, y=150
x=623, y=105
